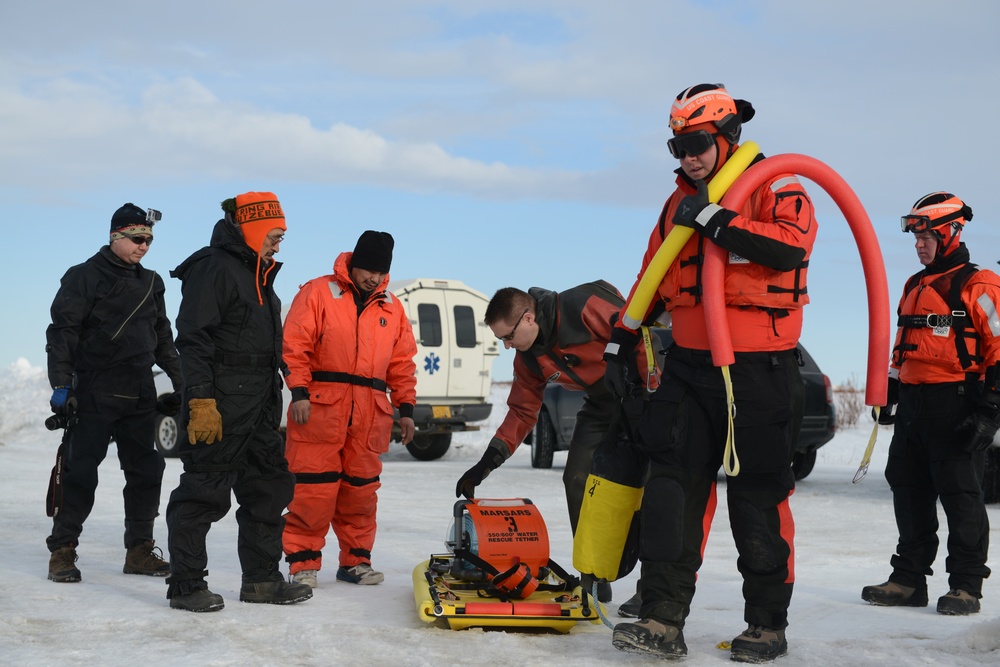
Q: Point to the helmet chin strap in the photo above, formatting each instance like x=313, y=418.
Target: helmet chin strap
x=730, y=149
x=945, y=248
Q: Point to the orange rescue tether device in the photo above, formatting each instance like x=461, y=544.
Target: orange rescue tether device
x=497, y=572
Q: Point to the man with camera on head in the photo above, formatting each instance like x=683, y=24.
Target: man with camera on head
x=109, y=326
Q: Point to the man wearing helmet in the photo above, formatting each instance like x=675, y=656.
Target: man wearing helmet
x=944, y=378
x=684, y=427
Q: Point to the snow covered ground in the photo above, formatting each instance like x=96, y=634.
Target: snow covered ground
x=845, y=535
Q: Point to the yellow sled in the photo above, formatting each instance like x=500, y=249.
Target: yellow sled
x=466, y=587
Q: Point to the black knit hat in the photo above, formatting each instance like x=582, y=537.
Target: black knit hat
x=373, y=252
x=128, y=215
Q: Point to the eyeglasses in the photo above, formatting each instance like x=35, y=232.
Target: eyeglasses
x=691, y=143
x=139, y=240
x=275, y=240
x=509, y=337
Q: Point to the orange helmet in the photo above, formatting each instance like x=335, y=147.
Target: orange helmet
x=942, y=213
x=710, y=103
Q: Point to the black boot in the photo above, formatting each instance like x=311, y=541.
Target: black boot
x=275, y=592
x=198, y=600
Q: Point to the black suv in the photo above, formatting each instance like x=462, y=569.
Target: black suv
x=557, y=417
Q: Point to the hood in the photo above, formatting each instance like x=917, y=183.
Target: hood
x=547, y=316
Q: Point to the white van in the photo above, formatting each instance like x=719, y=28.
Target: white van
x=455, y=353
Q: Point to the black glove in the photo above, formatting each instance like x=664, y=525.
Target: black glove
x=616, y=360
x=169, y=405
x=981, y=426
x=691, y=206
x=887, y=413
x=63, y=401
x=493, y=457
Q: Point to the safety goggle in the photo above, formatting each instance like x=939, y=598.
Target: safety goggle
x=922, y=223
x=691, y=143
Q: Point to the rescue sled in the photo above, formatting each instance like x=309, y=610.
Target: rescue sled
x=497, y=573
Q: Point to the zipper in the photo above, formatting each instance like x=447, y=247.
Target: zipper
x=132, y=314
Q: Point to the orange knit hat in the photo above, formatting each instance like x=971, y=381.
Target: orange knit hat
x=257, y=213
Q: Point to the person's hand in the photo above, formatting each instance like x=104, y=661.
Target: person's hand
x=474, y=476
x=169, y=405
x=205, y=422
x=887, y=413
x=690, y=206
x=407, y=429
x=301, y=410
x=616, y=361
x=980, y=427
x=63, y=402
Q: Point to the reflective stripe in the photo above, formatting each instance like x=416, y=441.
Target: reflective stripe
x=631, y=322
x=612, y=348
x=335, y=289
x=706, y=214
x=782, y=182
x=990, y=310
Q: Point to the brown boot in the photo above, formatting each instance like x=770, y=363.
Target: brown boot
x=146, y=558
x=650, y=637
x=62, y=565
x=958, y=603
x=758, y=644
x=891, y=594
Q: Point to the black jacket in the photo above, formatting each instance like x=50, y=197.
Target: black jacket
x=110, y=315
x=229, y=330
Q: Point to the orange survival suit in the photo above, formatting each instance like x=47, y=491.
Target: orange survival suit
x=348, y=353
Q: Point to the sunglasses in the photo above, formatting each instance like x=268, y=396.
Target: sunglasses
x=509, y=337
x=139, y=240
x=692, y=143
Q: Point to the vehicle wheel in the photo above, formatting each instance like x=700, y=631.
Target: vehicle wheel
x=802, y=464
x=543, y=445
x=429, y=447
x=991, y=478
x=167, y=435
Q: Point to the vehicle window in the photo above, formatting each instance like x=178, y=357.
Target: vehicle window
x=429, y=322
x=465, y=326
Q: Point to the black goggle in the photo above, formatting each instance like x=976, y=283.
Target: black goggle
x=691, y=143
x=923, y=223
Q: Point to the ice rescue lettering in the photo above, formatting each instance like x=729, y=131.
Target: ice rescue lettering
x=527, y=536
x=259, y=211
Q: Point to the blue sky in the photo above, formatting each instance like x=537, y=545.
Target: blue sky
x=501, y=142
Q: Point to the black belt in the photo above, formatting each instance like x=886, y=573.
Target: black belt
x=955, y=318
x=331, y=376
x=252, y=360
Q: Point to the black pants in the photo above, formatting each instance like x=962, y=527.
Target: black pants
x=594, y=424
x=250, y=465
x=131, y=426
x=927, y=462
x=683, y=430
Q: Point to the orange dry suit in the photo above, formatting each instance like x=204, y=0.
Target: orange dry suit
x=941, y=315
x=344, y=351
x=769, y=242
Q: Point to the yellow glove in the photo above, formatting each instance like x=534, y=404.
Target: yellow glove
x=205, y=423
